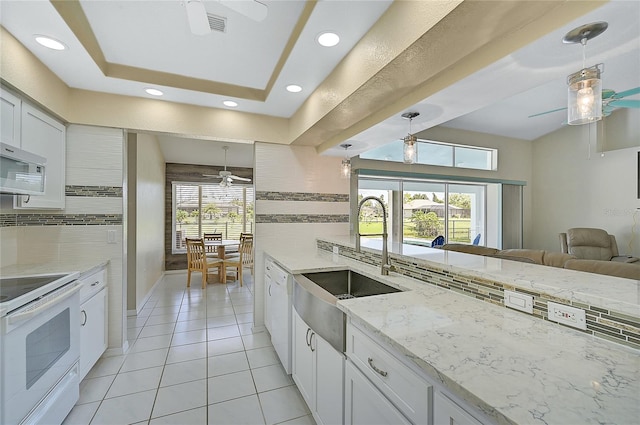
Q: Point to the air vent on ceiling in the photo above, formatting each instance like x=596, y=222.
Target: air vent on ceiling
x=217, y=23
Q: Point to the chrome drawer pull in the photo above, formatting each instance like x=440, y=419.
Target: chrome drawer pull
x=381, y=372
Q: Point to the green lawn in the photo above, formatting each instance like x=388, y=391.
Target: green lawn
x=458, y=229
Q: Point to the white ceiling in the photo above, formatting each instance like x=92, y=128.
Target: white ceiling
x=155, y=35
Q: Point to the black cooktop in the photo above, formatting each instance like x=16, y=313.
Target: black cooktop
x=13, y=287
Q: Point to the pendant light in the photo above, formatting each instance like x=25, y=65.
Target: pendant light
x=345, y=167
x=585, y=86
x=410, y=147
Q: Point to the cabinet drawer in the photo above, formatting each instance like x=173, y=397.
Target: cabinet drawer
x=92, y=284
x=409, y=392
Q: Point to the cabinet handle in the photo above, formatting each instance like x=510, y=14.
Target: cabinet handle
x=311, y=342
x=381, y=372
x=306, y=338
x=269, y=290
x=97, y=282
x=28, y=199
x=84, y=320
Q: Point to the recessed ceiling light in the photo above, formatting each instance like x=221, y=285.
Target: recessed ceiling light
x=328, y=39
x=294, y=88
x=154, y=92
x=50, y=43
x=230, y=103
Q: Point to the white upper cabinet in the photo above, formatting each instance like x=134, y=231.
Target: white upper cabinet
x=10, y=107
x=46, y=137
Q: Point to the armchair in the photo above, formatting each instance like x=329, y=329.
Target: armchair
x=592, y=244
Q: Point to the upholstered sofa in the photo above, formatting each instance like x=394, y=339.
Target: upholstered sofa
x=552, y=259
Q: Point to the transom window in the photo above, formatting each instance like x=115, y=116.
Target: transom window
x=429, y=152
x=209, y=208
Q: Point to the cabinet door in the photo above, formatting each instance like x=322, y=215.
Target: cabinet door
x=268, y=300
x=10, y=107
x=365, y=404
x=302, y=368
x=93, y=335
x=45, y=136
x=446, y=412
x=329, y=387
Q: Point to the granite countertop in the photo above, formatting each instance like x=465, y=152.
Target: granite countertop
x=513, y=367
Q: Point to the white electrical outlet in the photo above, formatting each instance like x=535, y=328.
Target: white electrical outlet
x=518, y=301
x=566, y=315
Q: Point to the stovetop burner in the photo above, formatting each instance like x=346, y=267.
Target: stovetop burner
x=13, y=287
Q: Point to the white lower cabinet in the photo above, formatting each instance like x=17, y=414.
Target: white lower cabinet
x=447, y=412
x=318, y=371
x=364, y=404
x=93, y=321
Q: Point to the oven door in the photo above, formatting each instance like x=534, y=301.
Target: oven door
x=40, y=346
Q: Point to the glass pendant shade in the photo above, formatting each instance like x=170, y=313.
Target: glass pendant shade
x=410, y=149
x=345, y=169
x=585, y=96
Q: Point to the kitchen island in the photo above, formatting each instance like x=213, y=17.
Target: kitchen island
x=510, y=366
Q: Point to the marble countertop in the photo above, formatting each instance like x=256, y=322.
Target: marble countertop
x=84, y=266
x=513, y=367
x=610, y=292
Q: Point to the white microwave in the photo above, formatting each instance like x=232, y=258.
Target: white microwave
x=21, y=172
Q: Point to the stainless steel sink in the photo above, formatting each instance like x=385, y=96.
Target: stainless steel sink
x=315, y=296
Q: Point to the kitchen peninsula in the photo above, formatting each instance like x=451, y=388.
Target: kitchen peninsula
x=509, y=367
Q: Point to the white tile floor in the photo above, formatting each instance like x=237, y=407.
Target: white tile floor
x=194, y=359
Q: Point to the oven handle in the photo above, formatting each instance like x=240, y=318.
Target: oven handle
x=45, y=304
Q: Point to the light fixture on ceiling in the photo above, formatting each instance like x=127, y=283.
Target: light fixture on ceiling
x=585, y=86
x=230, y=103
x=153, y=92
x=345, y=167
x=328, y=39
x=294, y=88
x=410, y=148
x=50, y=43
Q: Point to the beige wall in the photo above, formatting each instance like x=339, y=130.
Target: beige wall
x=576, y=185
x=297, y=169
x=149, y=216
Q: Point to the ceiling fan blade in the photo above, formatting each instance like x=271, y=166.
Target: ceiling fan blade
x=197, y=17
x=547, y=112
x=240, y=178
x=626, y=93
x=619, y=103
x=252, y=9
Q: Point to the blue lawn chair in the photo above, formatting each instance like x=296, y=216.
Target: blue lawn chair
x=438, y=241
x=476, y=241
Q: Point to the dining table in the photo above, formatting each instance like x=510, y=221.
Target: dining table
x=221, y=246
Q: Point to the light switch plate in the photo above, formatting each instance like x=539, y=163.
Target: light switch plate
x=518, y=301
x=570, y=316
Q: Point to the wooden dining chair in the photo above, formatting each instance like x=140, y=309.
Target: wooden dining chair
x=245, y=259
x=198, y=261
x=212, y=251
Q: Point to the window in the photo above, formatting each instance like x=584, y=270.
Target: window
x=209, y=208
x=438, y=153
x=422, y=210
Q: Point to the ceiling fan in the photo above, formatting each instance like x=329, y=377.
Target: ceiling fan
x=200, y=21
x=226, y=177
x=610, y=101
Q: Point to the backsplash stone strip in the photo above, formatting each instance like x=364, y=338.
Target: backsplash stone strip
x=601, y=323
x=302, y=218
x=60, y=220
x=301, y=196
x=94, y=191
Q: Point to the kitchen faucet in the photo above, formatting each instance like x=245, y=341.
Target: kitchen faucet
x=386, y=265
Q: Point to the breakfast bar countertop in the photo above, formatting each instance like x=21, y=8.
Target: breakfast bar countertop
x=513, y=367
